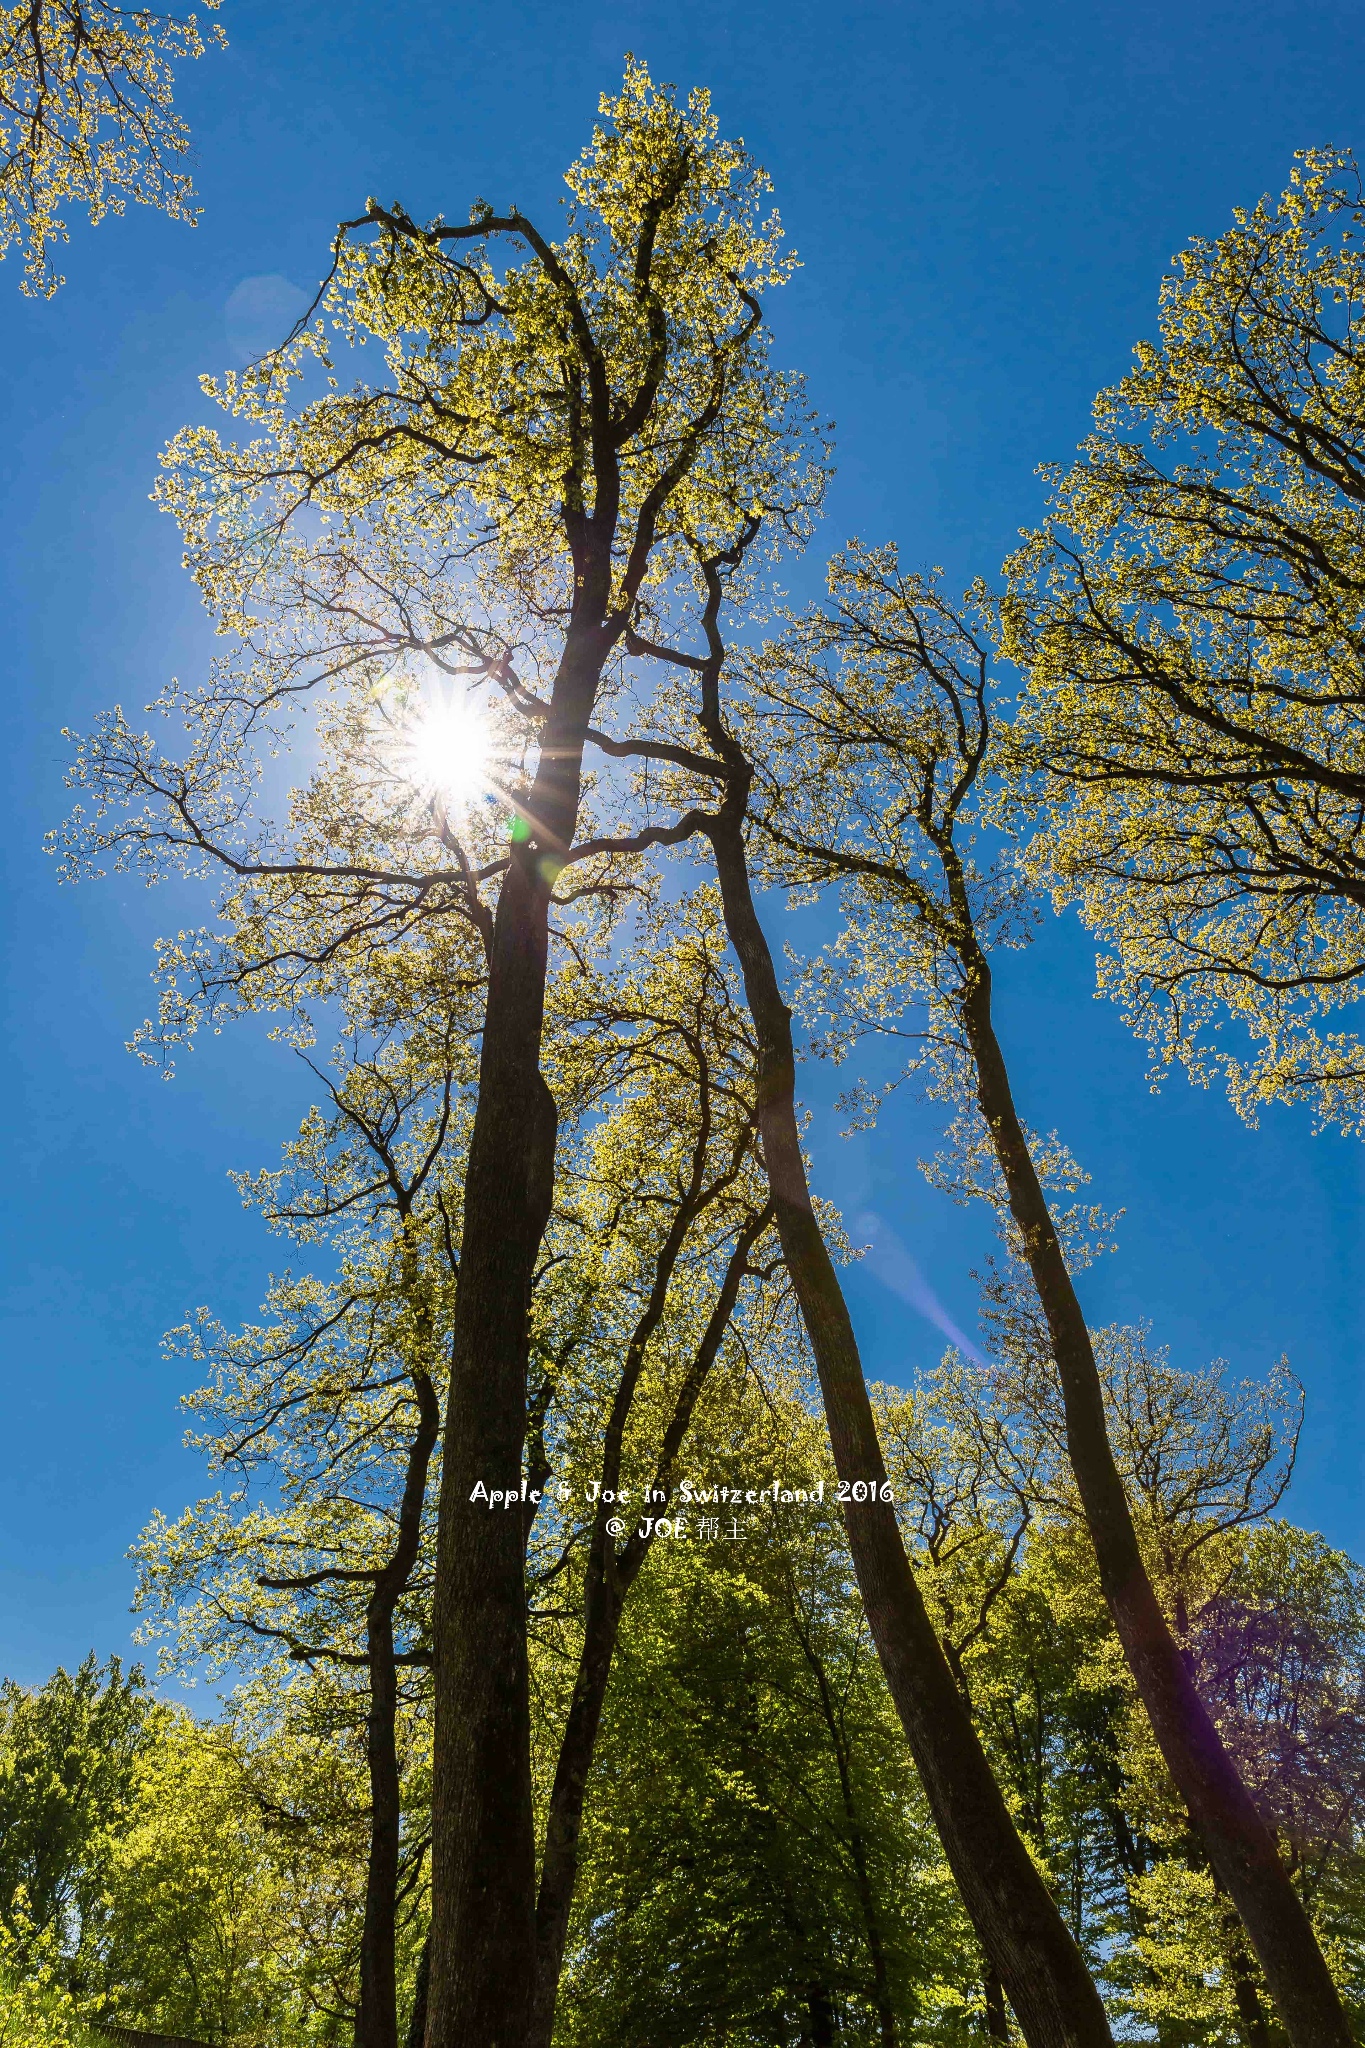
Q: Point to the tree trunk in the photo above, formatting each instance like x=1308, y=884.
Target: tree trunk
x=1240, y=1846
x=417, y=2018
x=604, y=1599
x=997, y=2019
x=876, y=1948
x=1250, y=2012
x=563, y=1825
x=821, y=2017
x=483, y=1846
x=857, y=1848
x=483, y=1849
x=1016, y=1920
x=376, y=2024
x=376, y=2020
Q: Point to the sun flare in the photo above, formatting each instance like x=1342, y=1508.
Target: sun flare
x=446, y=751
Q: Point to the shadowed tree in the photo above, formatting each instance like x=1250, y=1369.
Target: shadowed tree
x=1019, y=1926
x=652, y=1264
x=556, y=420
x=880, y=712
x=660, y=1265
x=759, y=1864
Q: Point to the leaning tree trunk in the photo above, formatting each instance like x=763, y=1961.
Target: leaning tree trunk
x=1240, y=1846
x=1016, y=1919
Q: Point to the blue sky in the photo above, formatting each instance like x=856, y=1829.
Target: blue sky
x=984, y=197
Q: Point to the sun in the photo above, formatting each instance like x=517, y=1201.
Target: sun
x=444, y=749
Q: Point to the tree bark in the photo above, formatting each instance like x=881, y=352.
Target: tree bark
x=417, y=2018
x=376, y=2024
x=563, y=1825
x=483, y=1846
x=1240, y=1846
x=1017, y=1922
x=605, y=1594
x=1246, y=1998
x=997, y=2019
x=821, y=2017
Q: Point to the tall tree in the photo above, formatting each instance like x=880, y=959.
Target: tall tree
x=660, y=1265
x=198, y=1941
x=69, y=1751
x=331, y=1410
x=880, y=711
x=558, y=417
x=87, y=120
x=1020, y=1928
x=1265, y=1614
x=655, y=1248
x=759, y=1863
x=1190, y=625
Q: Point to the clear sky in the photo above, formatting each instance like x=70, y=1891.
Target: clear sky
x=985, y=196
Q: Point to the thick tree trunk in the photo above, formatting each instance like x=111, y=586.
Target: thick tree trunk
x=1016, y=1920
x=483, y=1847
x=1240, y=1846
x=376, y=2024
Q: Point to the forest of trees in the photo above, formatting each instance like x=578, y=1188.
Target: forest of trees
x=603, y=1658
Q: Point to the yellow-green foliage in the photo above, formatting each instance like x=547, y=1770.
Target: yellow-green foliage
x=550, y=427
x=198, y=1917
x=222, y=1913
x=1190, y=627
x=86, y=120
x=36, y=2009
x=755, y=1835
x=1270, y=1618
x=653, y=1068
x=498, y=373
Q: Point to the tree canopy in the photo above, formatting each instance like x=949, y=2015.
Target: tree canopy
x=1189, y=621
x=87, y=120
x=605, y=1659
